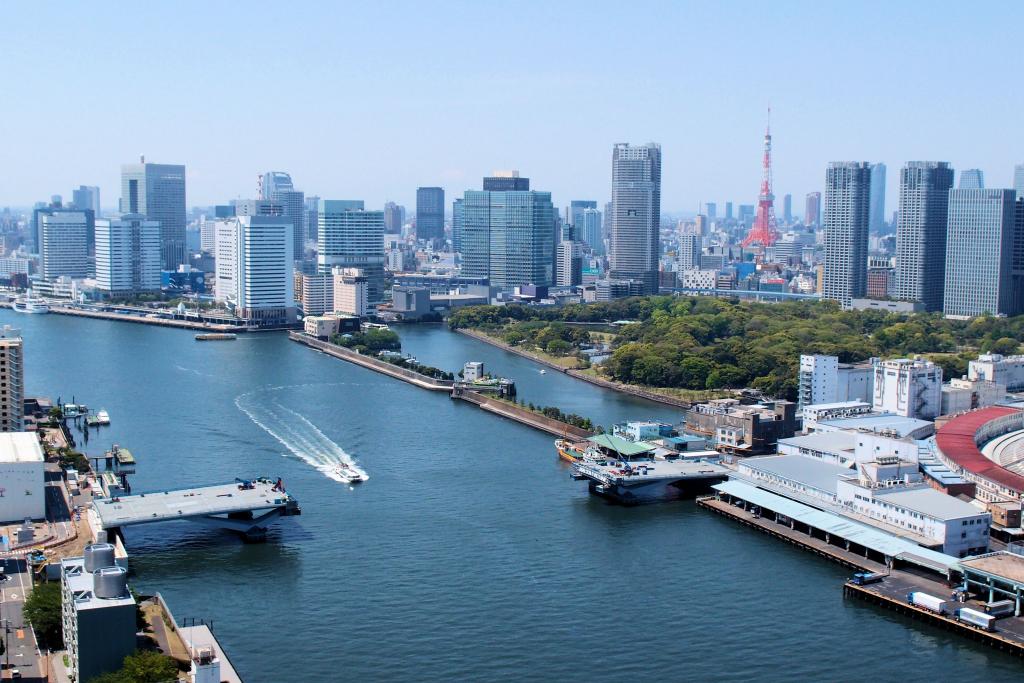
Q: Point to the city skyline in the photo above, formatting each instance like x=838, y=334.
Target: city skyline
x=711, y=142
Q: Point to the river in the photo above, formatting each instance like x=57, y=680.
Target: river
x=469, y=553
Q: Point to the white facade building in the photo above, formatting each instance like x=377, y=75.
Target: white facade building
x=698, y=279
x=63, y=244
x=127, y=255
x=351, y=292
x=13, y=265
x=823, y=379
x=22, y=480
x=254, y=268
x=317, y=294
x=999, y=369
x=907, y=387
x=12, y=381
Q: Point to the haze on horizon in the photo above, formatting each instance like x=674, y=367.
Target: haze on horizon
x=371, y=101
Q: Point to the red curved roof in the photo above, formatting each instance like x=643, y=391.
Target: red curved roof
x=956, y=440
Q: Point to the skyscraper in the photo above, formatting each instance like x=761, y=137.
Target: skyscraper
x=254, y=268
x=64, y=244
x=971, y=179
x=506, y=181
x=394, y=217
x=508, y=237
x=636, y=214
x=87, y=197
x=712, y=211
x=157, y=191
x=127, y=255
x=980, y=271
x=921, y=232
x=272, y=182
x=576, y=209
x=569, y=270
x=812, y=210
x=728, y=211
x=457, y=223
x=590, y=230
x=1018, y=180
x=12, y=380
x=351, y=237
x=787, y=208
x=688, y=257
x=277, y=187
x=846, y=219
x=877, y=220
x=430, y=214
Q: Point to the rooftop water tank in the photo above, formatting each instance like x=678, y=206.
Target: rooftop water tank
x=110, y=583
x=97, y=556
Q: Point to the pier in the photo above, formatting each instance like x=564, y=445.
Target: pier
x=246, y=507
x=649, y=479
x=140, y=318
x=371, y=363
x=519, y=414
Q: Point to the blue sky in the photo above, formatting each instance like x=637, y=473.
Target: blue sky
x=371, y=100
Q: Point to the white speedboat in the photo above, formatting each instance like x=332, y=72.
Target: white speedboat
x=30, y=304
x=349, y=474
x=102, y=417
x=543, y=372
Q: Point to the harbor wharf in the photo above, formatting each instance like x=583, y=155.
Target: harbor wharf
x=519, y=414
x=162, y=322
x=404, y=374
x=891, y=593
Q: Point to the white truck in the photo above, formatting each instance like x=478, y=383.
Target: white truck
x=928, y=602
x=986, y=622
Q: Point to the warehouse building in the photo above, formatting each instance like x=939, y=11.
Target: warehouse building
x=22, y=481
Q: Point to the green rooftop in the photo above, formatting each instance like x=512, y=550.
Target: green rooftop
x=624, y=447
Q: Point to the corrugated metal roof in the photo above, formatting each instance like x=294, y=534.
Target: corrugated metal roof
x=620, y=445
x=956, y=440
x=861, y=534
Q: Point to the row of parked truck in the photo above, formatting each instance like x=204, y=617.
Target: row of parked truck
x=986, y=620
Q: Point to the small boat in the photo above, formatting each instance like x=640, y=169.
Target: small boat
x=30, y=304
x=543, y=372
x=349, y=474
x=103, y=417
x=215, y=336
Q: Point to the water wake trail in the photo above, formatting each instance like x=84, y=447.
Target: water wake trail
x=296, y=433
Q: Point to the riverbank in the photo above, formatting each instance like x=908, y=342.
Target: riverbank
x=581, y=374
x=162, y=322
x=521, y=415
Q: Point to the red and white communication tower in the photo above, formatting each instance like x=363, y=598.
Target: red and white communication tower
x=764, y=231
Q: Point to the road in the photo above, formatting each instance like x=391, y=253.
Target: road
x=22, y=650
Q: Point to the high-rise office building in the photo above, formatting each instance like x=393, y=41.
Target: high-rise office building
x=569, y=271
x=728, y=211
x=506, y=181
x=636, y=214
x=430, y=214
x=351, y=292
x=254, y=268
x=12, y=380
x=983, y=230
x=457, y=215
x=273, y=182
x=352, y=237
x=157, y=191
x=87, y=197
x=257, y=207
x=394, y=218
x=876, y=223
x=64, y=244
x=127, y=255
x=277, y=186
x=589, y=230
x=312, y=211
x=576, y=209
x=812, y=210
x=712, y=211
x=921, y=232
x=787, y=208
x=845, y=222
x=508, y=237
x=1018, y=180
x=688, y=257
x=971, y=179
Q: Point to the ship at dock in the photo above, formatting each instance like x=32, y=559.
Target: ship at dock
x=216, y=336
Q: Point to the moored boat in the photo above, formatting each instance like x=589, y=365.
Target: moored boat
x=215, y=336
x=30, y=304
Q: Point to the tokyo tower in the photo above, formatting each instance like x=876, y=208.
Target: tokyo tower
x=764, y=230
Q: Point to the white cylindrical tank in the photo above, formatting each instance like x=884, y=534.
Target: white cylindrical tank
x=110, y=583
x=98, y=556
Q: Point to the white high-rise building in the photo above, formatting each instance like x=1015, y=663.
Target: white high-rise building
x=351, y=292
x=127, y=255
x=688, y=257
x=569, y=270
x=907, y=387
x=254, y=268
x=351, y=237
x=12, y=380
x=207, y=235
x=64, y=244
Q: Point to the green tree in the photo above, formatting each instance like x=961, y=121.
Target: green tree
x=144, y=666
x=43, y=610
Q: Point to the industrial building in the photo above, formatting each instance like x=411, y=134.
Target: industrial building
x=98, y=613
x=998, y=369
x=22, y=479
x=738, y=428
x=907, y=387
x=823, y=379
